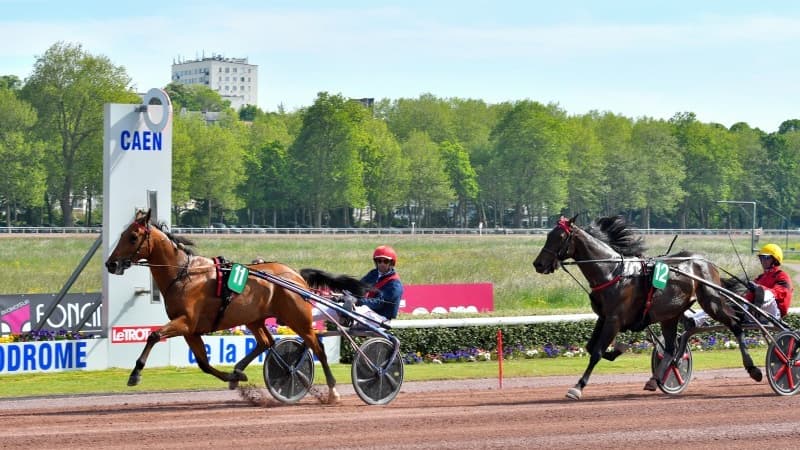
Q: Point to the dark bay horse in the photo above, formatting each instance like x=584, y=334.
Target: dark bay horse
x=188, y=283
x=609, y=255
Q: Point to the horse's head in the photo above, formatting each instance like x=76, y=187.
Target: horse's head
x=131, y=246
x=557, y=247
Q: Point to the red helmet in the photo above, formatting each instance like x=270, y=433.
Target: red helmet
x=384, y=251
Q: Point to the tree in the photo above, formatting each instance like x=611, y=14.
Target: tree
x=218, y=168
x=196, y=97
x=186, y=130
x=586, y=173
x=429, y=189
x=268, y=185
x=386, y=174
x=23, y=180
x=462, y=177
x=711, y=172
x=427, y=113
x=68, y=88
x=532, y=157
x=10, y=82
x=249, y=113
x=325, y=155
x=660, y=165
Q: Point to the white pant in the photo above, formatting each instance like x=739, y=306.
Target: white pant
x=770, y=307
x=319, y=311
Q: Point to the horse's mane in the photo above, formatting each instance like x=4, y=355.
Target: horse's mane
x=179, y=241
x=615, y=232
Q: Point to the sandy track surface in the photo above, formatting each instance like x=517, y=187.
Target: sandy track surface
x=718, y=410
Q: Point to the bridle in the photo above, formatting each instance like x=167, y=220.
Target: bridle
x=142, y=229
x=561, y=253
x=566, y=245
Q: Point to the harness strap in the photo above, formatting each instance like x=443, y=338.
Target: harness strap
x=222, y=291
x=381, y=283
x=608, y=283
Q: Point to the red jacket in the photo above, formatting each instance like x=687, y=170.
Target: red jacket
x=780, y=283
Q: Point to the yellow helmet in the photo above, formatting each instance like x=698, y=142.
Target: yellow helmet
x=772, y=250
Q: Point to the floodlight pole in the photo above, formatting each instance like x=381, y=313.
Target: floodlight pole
x=752, y=230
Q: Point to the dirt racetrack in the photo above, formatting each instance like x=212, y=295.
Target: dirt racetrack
x=719, y=410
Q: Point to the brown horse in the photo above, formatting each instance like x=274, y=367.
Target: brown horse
x=188, y=283
x=610, y=257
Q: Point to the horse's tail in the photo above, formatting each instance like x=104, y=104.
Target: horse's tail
x=319, y=278
x=734, y=284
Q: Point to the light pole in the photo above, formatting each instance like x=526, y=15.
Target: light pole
x=752, y=230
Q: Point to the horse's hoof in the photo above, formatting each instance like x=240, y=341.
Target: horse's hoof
x=755, y=373
x=133, y=380
x=233, y=384
x=333, y=396
x=651, y=385
x=574, y=394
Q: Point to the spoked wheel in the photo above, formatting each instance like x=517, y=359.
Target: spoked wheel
x=677, y=375
x=376, y=376
x=289, y=370
x=783, y=363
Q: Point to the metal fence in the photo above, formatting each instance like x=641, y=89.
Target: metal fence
x=409, y=230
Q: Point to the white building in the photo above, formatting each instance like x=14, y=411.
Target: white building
x=233, y=78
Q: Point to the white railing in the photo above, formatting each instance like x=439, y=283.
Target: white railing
x=387, y=231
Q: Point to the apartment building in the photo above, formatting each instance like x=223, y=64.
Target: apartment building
x=233, y=78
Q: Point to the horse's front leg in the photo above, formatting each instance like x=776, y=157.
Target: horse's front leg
x=136, y=374
x=171, y=329
x=604, y=332
x=195, y=342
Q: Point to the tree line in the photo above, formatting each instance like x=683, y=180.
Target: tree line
x=432, y=161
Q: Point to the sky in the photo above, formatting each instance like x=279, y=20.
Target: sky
x=726, y=61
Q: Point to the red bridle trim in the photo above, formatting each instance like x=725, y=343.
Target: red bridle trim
x=564, y=224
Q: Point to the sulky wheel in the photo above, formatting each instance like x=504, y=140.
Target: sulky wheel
x=377, y=377
x=783, y=363
x=677, y=375
x=289, y=370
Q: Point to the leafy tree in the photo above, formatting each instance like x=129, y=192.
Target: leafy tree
x=386, y=174
x=218, y=169
x=186, y=128
x=268, y=185
x=462, y=177
x=532, y=154
x=68, y=88
x=710, y=170
x=10, y=82
x=429, y=189
x=325, y=155
x=249, y=113
x=782, y=174
x=427, y=113
x=23, y=181
x=614, y=133
x=196, y=97
x=660, y=165
x=586, y=173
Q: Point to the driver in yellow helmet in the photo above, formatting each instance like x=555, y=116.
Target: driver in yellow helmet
x=772, y=290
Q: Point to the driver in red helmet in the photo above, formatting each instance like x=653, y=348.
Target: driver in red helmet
x=382, y=301
x=387, y=289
